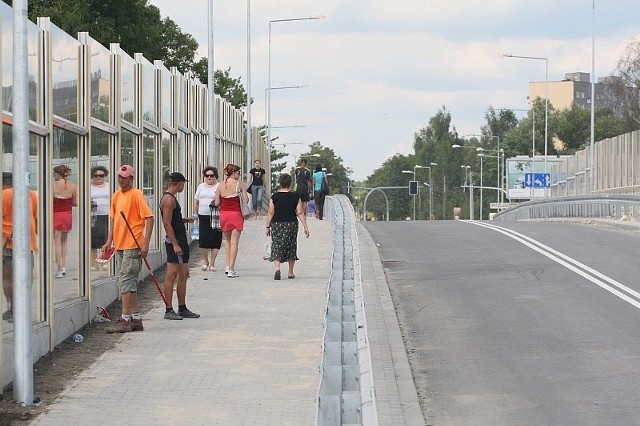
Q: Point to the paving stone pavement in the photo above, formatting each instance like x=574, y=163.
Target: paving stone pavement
x=254, y=356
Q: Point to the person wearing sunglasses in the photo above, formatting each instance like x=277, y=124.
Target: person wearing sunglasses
x=100, y=197
x=210, y=239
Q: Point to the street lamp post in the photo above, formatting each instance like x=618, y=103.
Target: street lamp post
x=211, y=95
x=497, y=150
x=456, y=146
x=430, y=191
x=269, y=66
x=546, y=103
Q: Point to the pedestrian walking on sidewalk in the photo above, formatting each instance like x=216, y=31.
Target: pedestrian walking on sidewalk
x=210, y=239
x=256, y=186
x=304, y=185
x=285, y=209
x=320, y=190
x=131, y=227
x=177, y=248
x=231, y=220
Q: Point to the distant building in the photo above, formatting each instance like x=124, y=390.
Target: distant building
x=576, y=87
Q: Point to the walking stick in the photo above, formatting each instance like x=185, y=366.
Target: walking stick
x=153, y=277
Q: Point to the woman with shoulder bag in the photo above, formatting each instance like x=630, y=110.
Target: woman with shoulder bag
x=231, y=219
x=285, y=209
x=210, y=239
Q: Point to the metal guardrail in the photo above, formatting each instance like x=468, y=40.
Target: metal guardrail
x=346, y=392
x=611, y=206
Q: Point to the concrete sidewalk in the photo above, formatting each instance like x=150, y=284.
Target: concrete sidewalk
x=252, y=358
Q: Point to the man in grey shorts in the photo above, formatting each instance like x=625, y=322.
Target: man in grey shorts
x=177, y=249
x=131, y=246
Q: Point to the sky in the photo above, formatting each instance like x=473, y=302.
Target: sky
x=373, y=72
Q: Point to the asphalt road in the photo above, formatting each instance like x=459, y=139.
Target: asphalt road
x=501, y=330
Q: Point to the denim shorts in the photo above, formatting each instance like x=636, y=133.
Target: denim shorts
x=130, y=262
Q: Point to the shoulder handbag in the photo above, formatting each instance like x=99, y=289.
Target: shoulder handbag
x=214, y=214
x=244, y=206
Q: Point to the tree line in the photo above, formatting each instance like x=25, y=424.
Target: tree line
x=139, y=28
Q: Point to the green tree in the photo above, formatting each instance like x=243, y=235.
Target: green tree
x=327, y=158
x=433, y=144
x=573, y=127
x=277, y=167
x=390, y=174
x=627, y=91
x=224, y=85
x=138, y=27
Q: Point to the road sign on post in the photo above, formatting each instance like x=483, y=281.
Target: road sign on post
x=537, y=180
x=413, y=187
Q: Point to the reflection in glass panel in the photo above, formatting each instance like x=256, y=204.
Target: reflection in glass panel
x=66, y=227
x=100, y=193
x=127, y=150
x=6, y=38
x=100, y=81
x=182, y=101
x=149, y=92
x=7, y=218
x=166, y=158
x=165, y=162
x=127, y=87
x=167, y=110
x=65, y=57
x=147, y=184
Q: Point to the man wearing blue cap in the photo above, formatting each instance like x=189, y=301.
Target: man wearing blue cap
x=177, y=248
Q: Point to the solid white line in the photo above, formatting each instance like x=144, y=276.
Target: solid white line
x=568, y=262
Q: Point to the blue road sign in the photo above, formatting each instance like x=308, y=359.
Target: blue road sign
x=537, y=180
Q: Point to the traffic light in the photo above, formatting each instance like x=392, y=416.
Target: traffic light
x=413, y=187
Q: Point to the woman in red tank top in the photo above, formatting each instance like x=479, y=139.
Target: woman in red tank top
x=231, y=220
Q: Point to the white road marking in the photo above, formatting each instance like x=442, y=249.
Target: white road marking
x=598, y=278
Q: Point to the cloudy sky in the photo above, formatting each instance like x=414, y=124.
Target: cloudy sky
x=376, y=71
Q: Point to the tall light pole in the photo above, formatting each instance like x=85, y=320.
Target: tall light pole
x=456, y=146
x=470, y=185
x=593, y=96
x=546, y=103
x=431, y=192
x=273, y=21
x=269, y=89
x=248, y=84
x=498, y=185
x=481, y=185
x=213, y=151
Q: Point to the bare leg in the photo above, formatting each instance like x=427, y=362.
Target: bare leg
x=214, y=256
x=65, y=247
x=233, y=248
x=227, y=250
x=205, y=258
x=172, y=273
x=129, y=303
x=292, y=263
x=57, y=240
x=181, y=288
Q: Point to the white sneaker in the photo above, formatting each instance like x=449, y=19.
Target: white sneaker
x=59, y=274
x=63, y=271
x=233, y=274
x=226, y=270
